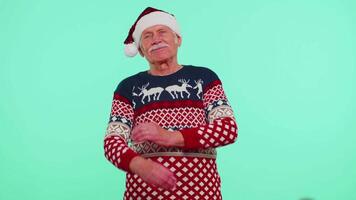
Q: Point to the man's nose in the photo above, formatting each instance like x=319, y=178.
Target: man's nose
x=156, y=39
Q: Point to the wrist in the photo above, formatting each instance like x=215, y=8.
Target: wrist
x=136, y=163
x=176, y=139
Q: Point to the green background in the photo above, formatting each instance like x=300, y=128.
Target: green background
x=288, y=69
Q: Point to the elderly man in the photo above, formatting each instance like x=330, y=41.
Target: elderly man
x=166, y=122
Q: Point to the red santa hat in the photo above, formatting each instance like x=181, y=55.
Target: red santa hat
x=149, y=17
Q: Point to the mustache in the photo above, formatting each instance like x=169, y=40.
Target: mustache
x=157, y=46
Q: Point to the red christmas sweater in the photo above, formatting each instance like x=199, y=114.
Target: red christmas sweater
x=191, y=100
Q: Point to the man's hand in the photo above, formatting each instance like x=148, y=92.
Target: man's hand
x=153, y=173
x=153, y=132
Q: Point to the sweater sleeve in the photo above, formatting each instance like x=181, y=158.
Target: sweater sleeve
x=118, y=130
x=221, y=128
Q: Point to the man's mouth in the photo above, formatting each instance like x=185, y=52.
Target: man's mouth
x=158, y=47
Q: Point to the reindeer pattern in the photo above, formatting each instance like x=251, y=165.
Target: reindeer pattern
x=156, y=92
x=174, y=91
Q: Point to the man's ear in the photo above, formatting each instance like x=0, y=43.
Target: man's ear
x=179, y=40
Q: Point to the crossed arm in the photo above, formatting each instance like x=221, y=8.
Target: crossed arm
x=218, y=133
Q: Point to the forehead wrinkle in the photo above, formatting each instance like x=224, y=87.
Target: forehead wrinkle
x=157, y=28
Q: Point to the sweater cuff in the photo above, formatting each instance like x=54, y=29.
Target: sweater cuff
x=127, y=157
x=191, y=139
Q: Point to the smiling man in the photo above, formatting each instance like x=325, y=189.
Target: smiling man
x=166, y=122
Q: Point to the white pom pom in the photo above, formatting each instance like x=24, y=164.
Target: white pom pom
x=130, y=50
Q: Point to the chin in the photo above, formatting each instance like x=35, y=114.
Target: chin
x=160, y=58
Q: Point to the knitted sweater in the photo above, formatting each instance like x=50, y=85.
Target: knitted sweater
x=190, y=100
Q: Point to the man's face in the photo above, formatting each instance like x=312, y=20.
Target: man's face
x=159, y=43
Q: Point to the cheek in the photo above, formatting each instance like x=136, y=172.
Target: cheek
x=143, y=48
x=144, y=45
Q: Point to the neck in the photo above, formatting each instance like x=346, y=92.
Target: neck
x=164, y=68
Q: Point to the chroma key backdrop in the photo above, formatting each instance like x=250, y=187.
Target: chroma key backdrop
x=288, y=69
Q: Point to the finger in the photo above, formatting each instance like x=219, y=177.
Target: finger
x=167, y=178
x=136, y=133
x=141, y=136
x=165, y=184
x=171, y=181
x=156, y=182
x=138, y=139
x=170, y=184
x=137, y=128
